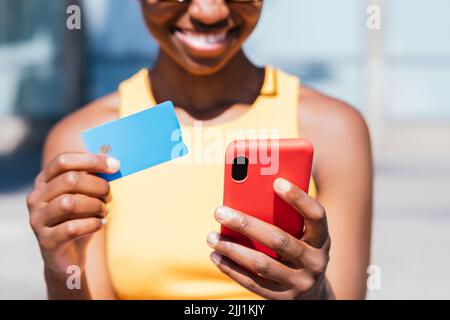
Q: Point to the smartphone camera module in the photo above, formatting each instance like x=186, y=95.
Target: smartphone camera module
x=239, y=170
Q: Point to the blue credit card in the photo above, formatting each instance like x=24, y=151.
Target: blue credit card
x=140, y=141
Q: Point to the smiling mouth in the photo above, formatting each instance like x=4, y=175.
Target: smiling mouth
x=205, y=42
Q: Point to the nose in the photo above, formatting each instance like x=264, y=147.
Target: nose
x=209, y=12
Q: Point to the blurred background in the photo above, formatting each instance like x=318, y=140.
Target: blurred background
x=398, y=77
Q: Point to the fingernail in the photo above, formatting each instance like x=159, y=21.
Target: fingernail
x=282, y=185
x=223, y=214
x=113, y=164
x=104, y=221
x=216, y=258
x=213, y=238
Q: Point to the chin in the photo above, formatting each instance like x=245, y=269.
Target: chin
x=204, y=69
x=200, y=66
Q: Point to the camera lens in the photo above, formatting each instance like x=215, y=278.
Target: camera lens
x=240, y=168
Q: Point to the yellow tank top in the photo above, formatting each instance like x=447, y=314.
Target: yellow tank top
x=159, y=218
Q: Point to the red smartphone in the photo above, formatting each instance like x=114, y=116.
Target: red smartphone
x=251, y=167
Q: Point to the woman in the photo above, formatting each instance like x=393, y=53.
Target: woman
x=153, y=245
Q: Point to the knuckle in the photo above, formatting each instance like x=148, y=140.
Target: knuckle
x=72, y=229
x=243, y=223
x=226, y=246
x=281, y=241
x=47, y=244
x=306, y=284
x=105, y=187
x=262, y=266
x=71, y=179
x=318, y=213
x=62, y=161
x=31, y=200
x=100, y=208
x=300, y=253
x=34, y=222
x=95, y=225
x=298, y=198
x=107, y=198
x=319, y=264
x=66, y=203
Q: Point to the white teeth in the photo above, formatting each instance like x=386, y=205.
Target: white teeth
x=201, y=40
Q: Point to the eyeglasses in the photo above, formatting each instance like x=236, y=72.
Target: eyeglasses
x=235, y=1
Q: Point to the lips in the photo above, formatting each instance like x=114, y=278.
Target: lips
x=203, y=42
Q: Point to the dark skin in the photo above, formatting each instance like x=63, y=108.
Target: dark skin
x=68, y=202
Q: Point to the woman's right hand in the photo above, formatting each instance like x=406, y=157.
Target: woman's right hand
x=67, y=205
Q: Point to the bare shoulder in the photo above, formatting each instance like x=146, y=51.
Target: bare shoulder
x=324, y=115
x=65, y=135
x=333, y=126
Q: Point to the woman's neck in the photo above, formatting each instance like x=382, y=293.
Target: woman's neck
x=205, y=97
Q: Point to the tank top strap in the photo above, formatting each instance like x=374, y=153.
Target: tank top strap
x=279, y=98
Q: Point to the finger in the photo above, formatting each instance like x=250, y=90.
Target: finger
x=252, y=282
x=251, y=260
x=267, y=234
x=70, y=207
x=78, y=162
x=73, y=182
x=316, y=229
x=70, y=231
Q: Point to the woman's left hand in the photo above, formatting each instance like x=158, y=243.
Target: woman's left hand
x=301, y=272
